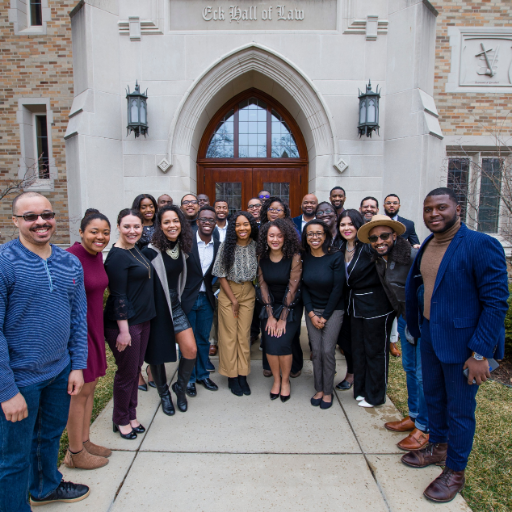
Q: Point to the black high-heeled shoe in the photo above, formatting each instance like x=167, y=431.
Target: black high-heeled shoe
x=139, y=430
x=132, y=435
x=274, y=396
x=150, y=382
x=287, y=397
x=142, y=387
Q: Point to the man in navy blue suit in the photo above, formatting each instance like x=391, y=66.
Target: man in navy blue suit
x=456, y=300
x=308, y=207
x=392, y=208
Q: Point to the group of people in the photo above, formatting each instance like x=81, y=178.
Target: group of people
x=197, y=278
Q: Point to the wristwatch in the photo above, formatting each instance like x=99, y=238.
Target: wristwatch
x=478, y=357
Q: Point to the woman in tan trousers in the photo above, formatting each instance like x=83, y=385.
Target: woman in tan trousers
x=236, y=267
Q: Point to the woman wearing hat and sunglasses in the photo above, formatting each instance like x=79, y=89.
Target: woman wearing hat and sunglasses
x=371, y=319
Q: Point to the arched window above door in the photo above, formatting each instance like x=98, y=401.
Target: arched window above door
x=252, y=129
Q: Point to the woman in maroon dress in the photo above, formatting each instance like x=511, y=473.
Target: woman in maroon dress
x=95, y=234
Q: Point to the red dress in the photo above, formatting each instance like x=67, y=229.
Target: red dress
x=95, y=281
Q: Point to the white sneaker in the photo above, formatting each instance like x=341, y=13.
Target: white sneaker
x=359, y=398
x=364, y=403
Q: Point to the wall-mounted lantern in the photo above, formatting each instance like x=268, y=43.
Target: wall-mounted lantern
x=137, y=111
x=368, y=111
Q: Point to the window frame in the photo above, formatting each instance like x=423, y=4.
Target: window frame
x=272, y=104
x=20, y=17
x=473, y=191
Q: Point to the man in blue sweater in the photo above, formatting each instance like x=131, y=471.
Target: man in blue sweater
x=43, y=350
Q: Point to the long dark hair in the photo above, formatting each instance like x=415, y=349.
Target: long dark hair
x=357, y=220
x=140, y=198
x=326, y=246
x=161, y=242
x=266, y=206
x=129, y=211
x=90, y=215
x=228, y=255
x=291, y=244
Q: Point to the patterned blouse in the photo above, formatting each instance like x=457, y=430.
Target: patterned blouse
x=245, y=266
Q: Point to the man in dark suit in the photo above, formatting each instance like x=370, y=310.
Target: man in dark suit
x=463, y=277
x=198, y=301
x=392, y=208
x=308, y=207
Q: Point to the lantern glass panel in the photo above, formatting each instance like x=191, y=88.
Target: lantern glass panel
x=371, y=118
x=362, y=112
x=134, y=112
x=143, y=112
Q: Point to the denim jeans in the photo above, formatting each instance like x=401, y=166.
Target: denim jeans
x=201, y=319
x=29, y=448
x=411, y=361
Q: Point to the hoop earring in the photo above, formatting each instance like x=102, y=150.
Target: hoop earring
x=268, y=248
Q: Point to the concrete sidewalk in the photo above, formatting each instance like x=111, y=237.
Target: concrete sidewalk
x=231, y=453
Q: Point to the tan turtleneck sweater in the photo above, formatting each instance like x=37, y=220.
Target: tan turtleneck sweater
x=431, y=260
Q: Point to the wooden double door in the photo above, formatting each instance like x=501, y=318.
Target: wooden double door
x=239, y=183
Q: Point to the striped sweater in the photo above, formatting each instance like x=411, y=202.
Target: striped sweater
x=43, y=312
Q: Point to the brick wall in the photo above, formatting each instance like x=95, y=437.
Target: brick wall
x=38, y=66
x=463, y=114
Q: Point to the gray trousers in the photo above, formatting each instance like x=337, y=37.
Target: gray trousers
x=323, y=345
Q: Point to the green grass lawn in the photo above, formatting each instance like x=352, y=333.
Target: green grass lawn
x=489, y=473
x=102, y=395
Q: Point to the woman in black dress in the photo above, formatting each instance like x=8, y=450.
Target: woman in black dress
x=167, y=252
x=129, y=309
x=371, y=316
x=279, y=277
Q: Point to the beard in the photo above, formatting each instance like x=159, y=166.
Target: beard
x=391, y=214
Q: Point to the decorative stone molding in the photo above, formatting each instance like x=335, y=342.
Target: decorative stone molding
x=164, y=165
x=341, y=165
x=252, y=57
x=371, y=26
x=135, y=27
x=430, y=115
x=481, y=60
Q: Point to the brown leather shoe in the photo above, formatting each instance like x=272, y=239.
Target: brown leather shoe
x=431, y=454
x=446, y=486
x=416, y=440
x=84, y=460
x=213, y=350
x=393, y=350
x=95, y=449
x=400, y=426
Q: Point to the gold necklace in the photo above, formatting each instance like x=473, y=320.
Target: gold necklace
x=141, y=261
x=174, y=252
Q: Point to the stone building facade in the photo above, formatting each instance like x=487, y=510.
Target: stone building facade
x=209, y=65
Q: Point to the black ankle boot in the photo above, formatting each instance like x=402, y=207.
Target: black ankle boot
x=185, y=369
x=160, y=378
x=244, y=385
x=234, y=385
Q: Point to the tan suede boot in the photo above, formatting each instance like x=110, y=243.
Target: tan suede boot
x=95, y=449
x=84, y=460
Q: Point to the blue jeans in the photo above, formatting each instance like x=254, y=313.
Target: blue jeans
x=411, y=361
x=201, y=319
x=29, y=448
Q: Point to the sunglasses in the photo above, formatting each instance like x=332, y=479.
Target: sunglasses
x=32, y=217
x=264, y=196
x=383, y=236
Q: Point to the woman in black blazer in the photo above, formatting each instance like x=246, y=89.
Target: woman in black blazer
x=167, y=252
x=371, y=316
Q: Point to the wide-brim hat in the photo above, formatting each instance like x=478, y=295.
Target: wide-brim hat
x=379, y=220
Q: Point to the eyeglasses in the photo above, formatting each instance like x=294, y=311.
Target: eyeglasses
x=382, y=236
x=32, y=217
x=315, y=235
x=193, y=201
x=253, y=206
x=275, y=210
x=392, y=203
x=266, y=196
x=321, y=213
x=205, y=220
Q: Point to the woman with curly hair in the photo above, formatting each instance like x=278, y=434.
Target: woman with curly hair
x=323, y=279
x=279, y=277
x=148, y=207
x=274, y=208
x=167, y=252
x=236, y=267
